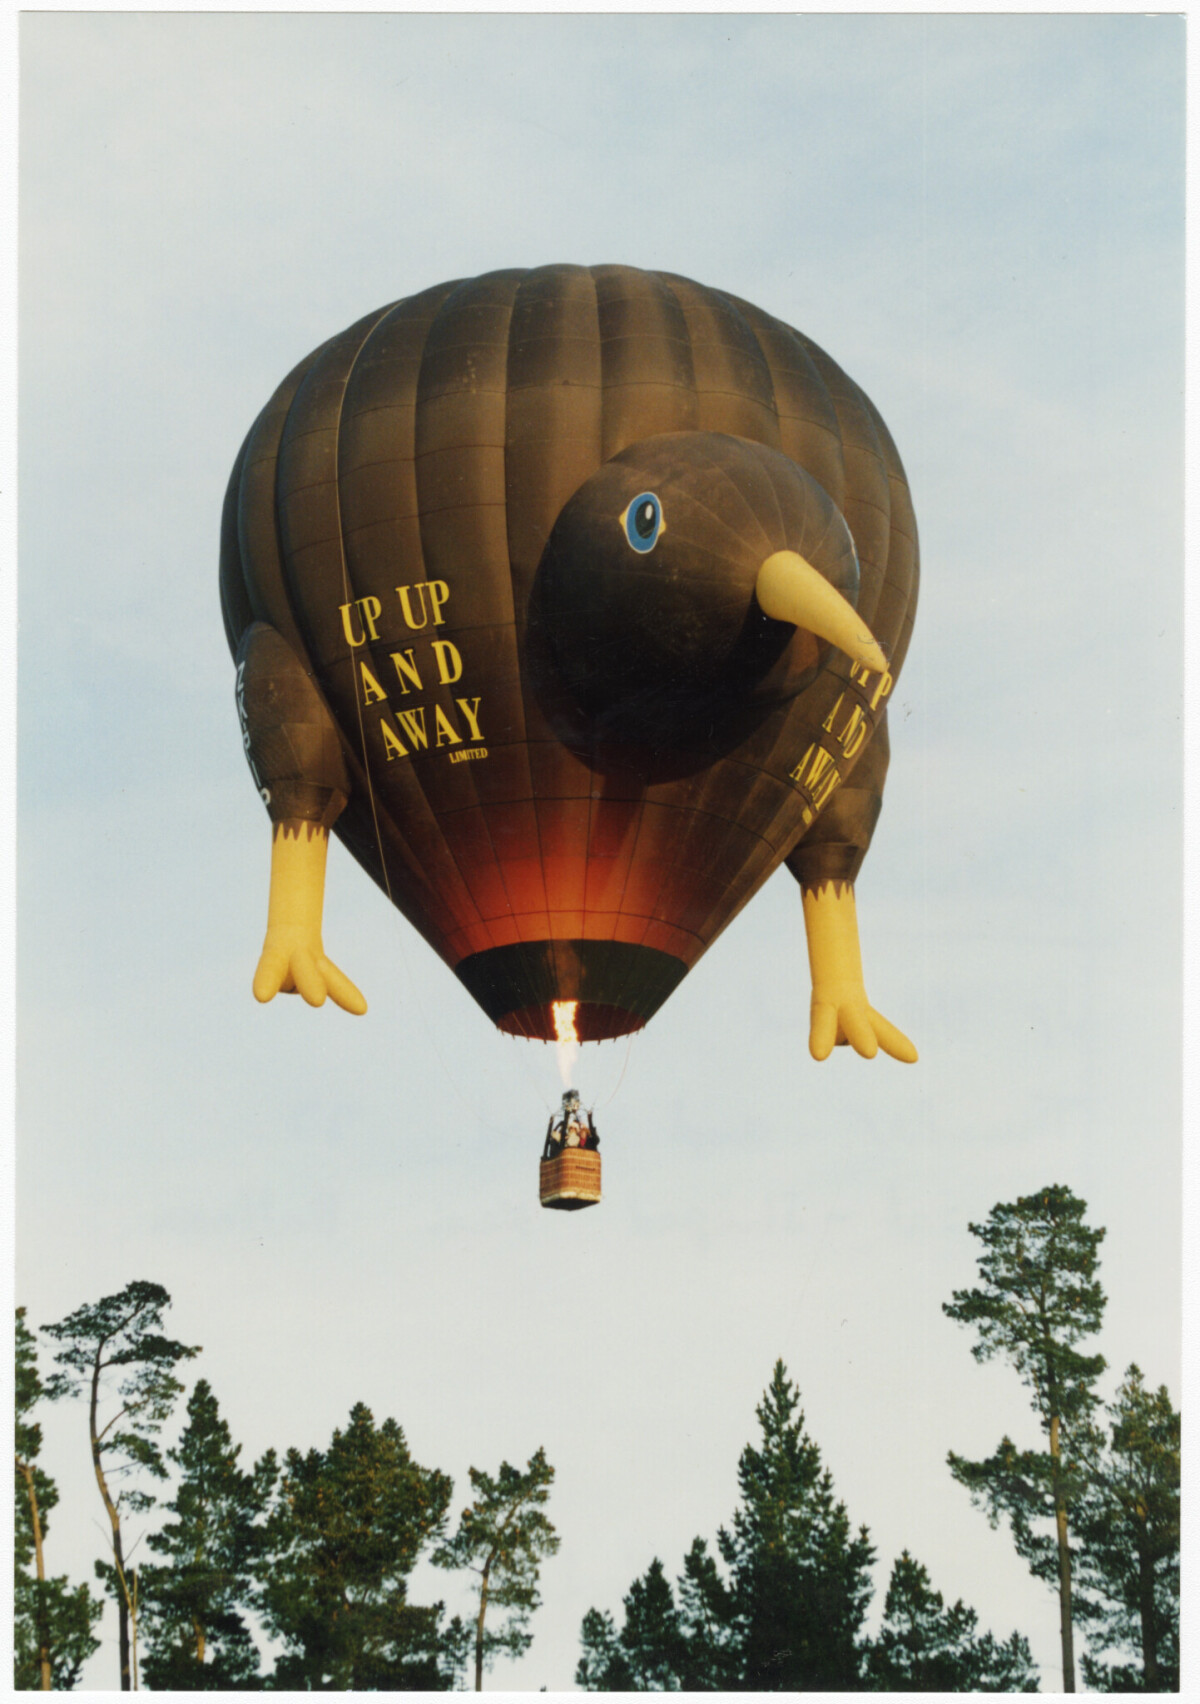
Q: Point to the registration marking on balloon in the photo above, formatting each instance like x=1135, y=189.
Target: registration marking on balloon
x=849, y=723
x=360, y=624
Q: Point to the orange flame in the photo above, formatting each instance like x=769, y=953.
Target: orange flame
x=567, y=1036
x=564, y=1020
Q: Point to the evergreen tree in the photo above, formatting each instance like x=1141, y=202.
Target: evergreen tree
x=1127, y=1525
x=650, y=1652
x=116, y=1352
x=1039, y=1296
x=790, y=1617
x=52, y=1619
x=707, y=1618
x=800, y=1578
x=197, y=1639
x=604, y=1667
x=925, y=1647
x=503, y=1537
x=345, y=1530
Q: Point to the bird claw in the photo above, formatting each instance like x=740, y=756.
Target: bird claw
x=295, y=963
x=845, y=1018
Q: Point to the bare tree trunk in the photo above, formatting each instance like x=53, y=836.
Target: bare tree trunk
x=199, y=1632
x=114, y=1519
x=1146, y=1605
x=483, y=1597
x=1064, y=1562
x=42, y=1629
x=133, y=1628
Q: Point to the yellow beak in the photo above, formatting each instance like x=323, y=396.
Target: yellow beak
x=790, y=589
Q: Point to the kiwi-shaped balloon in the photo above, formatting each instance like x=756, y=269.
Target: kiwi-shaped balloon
x=570, y=600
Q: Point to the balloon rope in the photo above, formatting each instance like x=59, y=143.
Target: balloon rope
x=529, y=1072
x=624, y=1068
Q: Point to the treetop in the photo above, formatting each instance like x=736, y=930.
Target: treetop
x=1039, y=1296
x=128, y=1325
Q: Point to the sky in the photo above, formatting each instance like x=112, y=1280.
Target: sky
x=981, y=218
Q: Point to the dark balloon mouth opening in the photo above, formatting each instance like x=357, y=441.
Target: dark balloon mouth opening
x=618, y=985
x=593, y=1022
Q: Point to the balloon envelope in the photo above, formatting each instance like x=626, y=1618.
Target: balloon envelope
x=571, y=760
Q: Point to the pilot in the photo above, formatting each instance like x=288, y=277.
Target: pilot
x=574, y=1121
x=573, y=1128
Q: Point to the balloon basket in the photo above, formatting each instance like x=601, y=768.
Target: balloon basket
x=571, y=1180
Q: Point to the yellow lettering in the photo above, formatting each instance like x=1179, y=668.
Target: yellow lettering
x=406, y=667
x=372, y=691
x=368, y=609
x=448, y=659
x=391, y=744
x=854, y=733
x=434, y=587
x=817, y=773
x=413, y=723
x=346, y=627
x=470, y=709
x=827, y=724
x=860, y=674
x=446, y=727
x=406, y=605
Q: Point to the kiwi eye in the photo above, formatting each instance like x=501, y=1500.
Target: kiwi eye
x=643, y=522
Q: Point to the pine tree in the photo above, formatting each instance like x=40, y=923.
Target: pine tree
x=52, y=1619
x=790, y=1616
x=503, y=1537
x=925, y=1647
x=603, y=1666
x=1038, y=1298
x=801, y=1579
x=197, y=1637
x=649, y=1654
x=116, y=1352
x=345, y=1530
x=1127, y=1525
x=707, y=1618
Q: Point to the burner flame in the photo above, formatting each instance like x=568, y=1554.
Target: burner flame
x=567, y=1037
x=564, y=1020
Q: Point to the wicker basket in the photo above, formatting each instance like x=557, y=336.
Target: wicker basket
x=570, y=1181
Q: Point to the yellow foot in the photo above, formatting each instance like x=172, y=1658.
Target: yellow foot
x=296, y=963
x=849, y=1018
x=841, y=1012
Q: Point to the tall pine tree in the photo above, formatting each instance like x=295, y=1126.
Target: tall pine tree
x=503, y=1538
x=197, y=1639
x=52, y=1619
x=117, y=1358
x=1037, y=1299
x=1127, y=1525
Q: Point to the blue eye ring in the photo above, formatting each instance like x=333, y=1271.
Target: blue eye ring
x=643, y=522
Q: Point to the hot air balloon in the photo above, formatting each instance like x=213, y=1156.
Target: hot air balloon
x=571, y=600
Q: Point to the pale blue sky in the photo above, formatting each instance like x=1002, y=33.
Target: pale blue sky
x=980, y=217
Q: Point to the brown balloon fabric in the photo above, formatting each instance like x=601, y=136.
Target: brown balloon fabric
x=509, y=529
x=291, y=741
